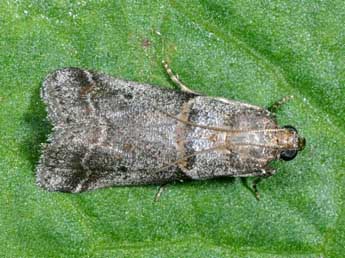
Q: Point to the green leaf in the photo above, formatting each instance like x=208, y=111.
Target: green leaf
x=252, y=51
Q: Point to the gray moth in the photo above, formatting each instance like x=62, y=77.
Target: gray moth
x=108, y=131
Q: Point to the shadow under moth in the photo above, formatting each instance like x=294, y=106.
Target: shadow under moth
x=109, y=131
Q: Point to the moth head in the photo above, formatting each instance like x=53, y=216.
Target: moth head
x=292, y=142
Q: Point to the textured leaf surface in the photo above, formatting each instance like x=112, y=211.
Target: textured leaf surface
x=253, y=51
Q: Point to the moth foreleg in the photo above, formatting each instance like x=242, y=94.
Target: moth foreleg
x=176, y=79
x=257, y=180
x=278, y=104
x=159, y=192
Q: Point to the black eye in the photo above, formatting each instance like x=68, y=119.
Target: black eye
x=288, y=154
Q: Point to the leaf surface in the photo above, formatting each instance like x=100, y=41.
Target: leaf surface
x=252, y=51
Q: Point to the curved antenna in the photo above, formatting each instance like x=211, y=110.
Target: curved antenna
x=220, y=129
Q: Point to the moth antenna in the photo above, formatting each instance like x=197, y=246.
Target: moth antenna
x=176, y=79
x=259, y=145
x=227, y=146
x=220, y=129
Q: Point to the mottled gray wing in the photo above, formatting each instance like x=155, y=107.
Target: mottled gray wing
x=107, y=131
x=65, y=92
x=233, y=158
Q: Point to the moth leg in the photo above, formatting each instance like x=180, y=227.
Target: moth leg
x=255, y=189
x=244, y=181
x=278, y=104
x=257, y=180
x=159, y=192
x=176, y=79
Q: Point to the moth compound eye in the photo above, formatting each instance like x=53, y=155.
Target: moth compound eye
x=291, y=128
x=288, y=154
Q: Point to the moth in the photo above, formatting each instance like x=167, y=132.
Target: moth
x=108, y=131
